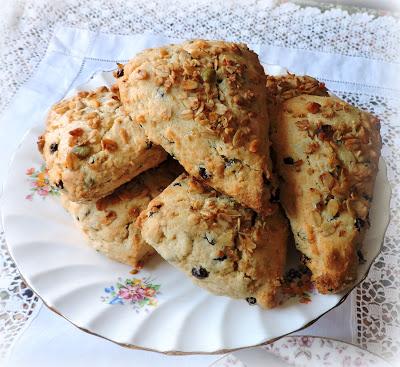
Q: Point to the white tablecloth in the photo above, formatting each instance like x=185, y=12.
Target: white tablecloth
x=364, y=75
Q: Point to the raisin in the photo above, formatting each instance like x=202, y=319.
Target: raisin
x=60, y=184
x=203, y=173
x=177, y=184
x=149, y=144
x=210, y=240
x=200, y=272
x=53, y=148
x=275, y=196
x=325, y=132
x=288, y=160
x=359, y=223
x=120, y=73
x=251, y=301
x=221, y=258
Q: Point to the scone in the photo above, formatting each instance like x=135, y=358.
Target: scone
x=222, y=246
x=204, y=102
x=327, y=154
x=109, y=223
x=91, y=146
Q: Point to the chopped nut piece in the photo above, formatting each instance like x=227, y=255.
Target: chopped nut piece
x=311, y=148
x=124, y=135
x=187, y=114
x=254, y=145
x=313, y=107
x=109, y=217
x=76, y=132
x=333, y=207
x=328, y=180
x=40, y=143
x=71, y=161
x=317, y=219
x=328, y=229
x=303, y=125
x=142, y=74
x=189, y=84
x=109, y=145
x=134, y=212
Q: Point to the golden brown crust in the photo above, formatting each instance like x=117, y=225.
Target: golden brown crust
x=223, y=247
x=204, y=102
x=91, y=146
x=109, y=223
x=327, y=158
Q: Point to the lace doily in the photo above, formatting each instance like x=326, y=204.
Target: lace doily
x=26, y=28
x=17, y=302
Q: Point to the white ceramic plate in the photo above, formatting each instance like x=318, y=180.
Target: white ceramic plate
x=159, y=308
x=303, y=351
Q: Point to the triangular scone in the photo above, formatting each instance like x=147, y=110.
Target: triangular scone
x=327, y=154
x=109, y=223
x=91, y=146
x=223, y=247
x=204, y=102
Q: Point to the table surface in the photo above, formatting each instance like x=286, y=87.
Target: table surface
x=371, y=35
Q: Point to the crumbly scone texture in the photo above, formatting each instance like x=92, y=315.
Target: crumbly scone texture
x=109, y=223
x=222, y=246
x=91, y=146
x=327, y=155
x=204, y=102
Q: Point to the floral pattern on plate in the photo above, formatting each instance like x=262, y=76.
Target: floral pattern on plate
x=141, y=293
x=39, y=183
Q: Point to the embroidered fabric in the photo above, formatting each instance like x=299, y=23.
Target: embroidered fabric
x=27, y=27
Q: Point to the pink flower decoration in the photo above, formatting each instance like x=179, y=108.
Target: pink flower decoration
x=29, y=197
x=43, y=192
x=30, y=171
x=132, y=293
x=149, y=292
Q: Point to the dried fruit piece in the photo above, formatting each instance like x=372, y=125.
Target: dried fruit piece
x=203, y=173
x=325, y=132
x=200, y=272
x=81, y=151
x=60, y=184
x=53, y=147
x=251, y=301
x=288, y=160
